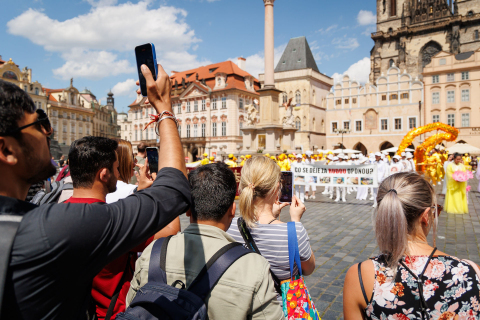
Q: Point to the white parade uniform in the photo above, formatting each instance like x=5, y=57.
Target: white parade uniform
x=381, y=173
x=309, y=185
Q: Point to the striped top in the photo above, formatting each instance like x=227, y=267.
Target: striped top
x=272, y=241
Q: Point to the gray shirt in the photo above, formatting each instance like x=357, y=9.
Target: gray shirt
x=272, y=241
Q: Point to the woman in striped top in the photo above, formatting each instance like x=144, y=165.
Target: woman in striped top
x=259, y=207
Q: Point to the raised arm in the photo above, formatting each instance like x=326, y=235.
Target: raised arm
x=159, y=93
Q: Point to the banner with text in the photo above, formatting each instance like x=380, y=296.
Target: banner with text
x=320, y=174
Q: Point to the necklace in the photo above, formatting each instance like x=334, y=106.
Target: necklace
x=272, y=220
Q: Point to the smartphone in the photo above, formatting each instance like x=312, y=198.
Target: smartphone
x=152, y=156
x=286, y=181
x=145, y=54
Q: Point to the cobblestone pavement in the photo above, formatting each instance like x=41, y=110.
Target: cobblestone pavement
x=341, y=234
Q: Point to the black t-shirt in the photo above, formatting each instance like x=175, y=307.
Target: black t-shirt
x=59, y=248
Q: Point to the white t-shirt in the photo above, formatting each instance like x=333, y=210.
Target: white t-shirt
x=123, y=191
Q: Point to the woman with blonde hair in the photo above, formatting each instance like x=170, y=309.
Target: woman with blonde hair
x=126, y=166
x=410, y=279
x=259, y=208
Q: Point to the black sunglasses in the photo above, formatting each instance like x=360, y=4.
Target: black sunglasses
x=42, y=119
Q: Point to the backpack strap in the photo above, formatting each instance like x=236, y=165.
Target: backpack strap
x=158, y=257
x=116, y=293
x=361, y=282
x=216, y=267
x=8, y=229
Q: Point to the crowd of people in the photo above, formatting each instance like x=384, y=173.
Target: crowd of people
x=108, y=248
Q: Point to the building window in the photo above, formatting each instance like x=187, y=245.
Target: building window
x=240, y=126
x=204, y=104
x=72, y=126
x=195, y=106
x=88, y=131
x=25, y=88
x=188, y=106
x=384, y=124
x=203, y=130
x=398, y=124
x=384, y=97
x=412, y=123
x=465, y=119
x=436, y=118
x=465, y=95
x=88, y=118
x=180, y=131
x=36, y=91
x=358, y=126
x=393, y=7
x=224, y=103
x=195, y=130
x=476, y=34
x=339, y=101
x=450, y=96
x=346, y=125
x=240, y=103
x=435, y=79
x=451, y=77
x=224, y=129
x=391, y=63
x=334, y=126
x=298, y=124
x=346, y=101
x=73, y=116
x=64, y=128
x=354, y=100
x=435, y=97
x=298, y=98
x=465, y=75
x=404, y=96
x=214, y=129
x=219, y=81
x=443, y=62
x=136, y=135
x=394, y=96
x=188, y=131
x=179, y=108
x=451, y=119
x=214, y=104
x=285, y=96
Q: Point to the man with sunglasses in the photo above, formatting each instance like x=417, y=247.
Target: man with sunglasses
x=59, y=248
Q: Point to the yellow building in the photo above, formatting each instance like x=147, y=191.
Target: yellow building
x=10, y=72
x=451, y=90
x=105, y=119
x=376, y=117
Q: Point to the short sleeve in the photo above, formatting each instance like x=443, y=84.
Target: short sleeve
x=303, y=242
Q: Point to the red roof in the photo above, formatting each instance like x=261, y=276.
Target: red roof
x=48, y=91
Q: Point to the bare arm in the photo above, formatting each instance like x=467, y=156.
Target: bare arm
x=354, y=303
x=159, y=93
x=170, y=230
x=308, y=266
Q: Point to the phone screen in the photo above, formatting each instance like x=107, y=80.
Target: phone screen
x=145, y=54
x=152, y=156
x=286, y=181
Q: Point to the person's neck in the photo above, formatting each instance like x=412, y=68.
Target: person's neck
x=17, y=190
x=96, y=192
x=140, y=154
x=264, y=210
x=223, y=225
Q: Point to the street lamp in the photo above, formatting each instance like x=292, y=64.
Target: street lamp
x=342, y=132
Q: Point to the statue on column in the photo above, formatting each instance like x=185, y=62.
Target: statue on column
x=289, y=120
x=251, y=114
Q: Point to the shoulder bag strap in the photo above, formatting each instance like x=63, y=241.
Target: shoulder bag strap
x=247, y=237
x=8, y=229
x=158, y=257
x=216, y=267
x=293, y=253
x=116, y=293
x=361, y=282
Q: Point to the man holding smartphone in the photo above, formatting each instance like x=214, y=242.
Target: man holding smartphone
x=59, y=248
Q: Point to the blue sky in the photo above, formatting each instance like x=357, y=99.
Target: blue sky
x=93, y=40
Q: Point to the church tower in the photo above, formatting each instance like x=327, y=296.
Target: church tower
x=110, y=99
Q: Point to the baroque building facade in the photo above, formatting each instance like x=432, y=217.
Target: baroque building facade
x=410, y=32
x=452, y=83
x=211, y=104
x=376, y=116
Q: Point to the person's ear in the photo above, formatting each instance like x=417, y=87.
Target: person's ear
x=104, y=175
x=8, y=152
x=233, y=208
x=425, y=216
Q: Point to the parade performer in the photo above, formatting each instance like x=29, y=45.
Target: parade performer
x=381, y=173
x=341, y=191
x=466, y=161
x=445, y=167
x=456, y=198
x=205, y=160
x=396, y=166
x=333, y=163
x=309, y=185
x=242, y=162
x=230, y=163
x=362, y=192
x=329, y=189
x=283, y=163
x=407, y=167
x=431, y=171
x=412, y=163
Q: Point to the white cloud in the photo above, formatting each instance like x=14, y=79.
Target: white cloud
x=125, y=88
x=358, y=71
x=256, y=62
x=346, y=43
x=366, y=18
x=368, y=31
x=327, y=30
x=93, y=65
x=106, y=30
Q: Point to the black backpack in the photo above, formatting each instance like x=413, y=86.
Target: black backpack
x=158, y=300
x=51, y=197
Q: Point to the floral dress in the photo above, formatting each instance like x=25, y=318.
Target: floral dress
x=450, y=288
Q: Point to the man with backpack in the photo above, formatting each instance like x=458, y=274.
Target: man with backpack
x=51, y=253
x=236, y=288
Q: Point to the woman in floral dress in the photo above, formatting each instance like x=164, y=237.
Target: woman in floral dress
x=410, y=279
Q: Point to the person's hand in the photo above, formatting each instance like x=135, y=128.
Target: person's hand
x=158, y=92
x=144, y=178
x=277, y=208
x=297, y=209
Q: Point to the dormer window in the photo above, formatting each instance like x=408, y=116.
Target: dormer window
x=212, y=70
x=219, y=81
